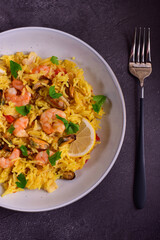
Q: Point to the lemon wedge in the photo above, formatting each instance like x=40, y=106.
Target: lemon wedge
x=85, y=140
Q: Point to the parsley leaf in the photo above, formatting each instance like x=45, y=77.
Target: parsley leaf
x=24, y=110
x=54, y=157
x=24, y=150
x=54, y=60
x=70, y=126
x=53, y=94
x=11, y=129
x=96, y=107
x=15, y=67
x=47, y=151
x=66, y=124
x=22, y=181
x=99, y=100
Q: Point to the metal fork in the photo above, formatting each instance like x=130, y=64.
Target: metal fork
x=140, y=66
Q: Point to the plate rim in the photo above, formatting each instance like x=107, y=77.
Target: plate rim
x=115, y=80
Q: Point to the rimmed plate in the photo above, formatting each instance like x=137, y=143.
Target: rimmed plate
x=47, y=42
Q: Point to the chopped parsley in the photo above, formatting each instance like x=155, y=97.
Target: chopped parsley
x=70, y=126
x=15, y=67
x=54, y=60
x=24, y=110
x=53, y=94
x=22, y=181
x=54, y=157
x=47, y=151
x=24, y=150
x=99, y=100
x=11, y=129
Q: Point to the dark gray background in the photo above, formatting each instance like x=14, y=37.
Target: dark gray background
x=108, y=211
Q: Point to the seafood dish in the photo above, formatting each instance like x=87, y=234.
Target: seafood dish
x=49, y=116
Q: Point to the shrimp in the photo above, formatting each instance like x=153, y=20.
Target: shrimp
x=31, y=59
x=50, y=123
x=12, y=94
x=7, y=162
x=42, y=68
x=18, y=84
x=20, y=125
x=49, y=72
x=42, y=157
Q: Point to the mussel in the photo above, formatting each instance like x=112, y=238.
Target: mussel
x=68, y=175
x=38, y=143
x=65, y=140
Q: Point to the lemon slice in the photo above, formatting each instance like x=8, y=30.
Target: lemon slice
x=85, y=140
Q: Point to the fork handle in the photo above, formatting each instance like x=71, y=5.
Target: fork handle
x=139, y=192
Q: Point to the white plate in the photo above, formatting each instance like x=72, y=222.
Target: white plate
x=47, y=42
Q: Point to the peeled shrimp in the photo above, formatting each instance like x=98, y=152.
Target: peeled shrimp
x=50, y=123
x=42, y=68
x=19, y=100
x=31, y=59
x=7, y=162
x=18, y=84
x=42, y=157
x=20, y=125
x=48, y=71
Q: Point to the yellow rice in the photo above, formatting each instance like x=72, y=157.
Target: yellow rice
x=43, y=177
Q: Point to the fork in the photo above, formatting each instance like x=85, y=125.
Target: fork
x=140, y=66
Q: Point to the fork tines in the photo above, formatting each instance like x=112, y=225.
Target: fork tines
x=138, y=54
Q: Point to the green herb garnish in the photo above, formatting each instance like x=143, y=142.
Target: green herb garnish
x=22, y=181
x=24, y=150
x=53, y=94
x=11, y=129
x=47, y=151
x=70, y=126
x=15, y=67
x=54, y=157
x=54, y=60
x=24, y=110
x=99, y=100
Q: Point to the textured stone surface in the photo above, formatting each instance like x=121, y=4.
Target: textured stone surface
x=108, y=211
